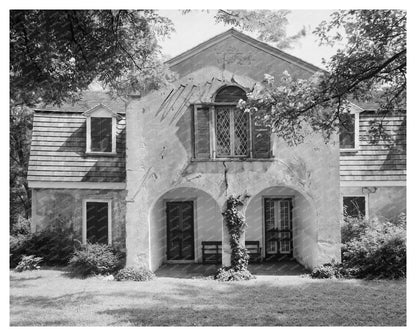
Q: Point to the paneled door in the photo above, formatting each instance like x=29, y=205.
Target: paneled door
x=180, y=230
x=278, y=227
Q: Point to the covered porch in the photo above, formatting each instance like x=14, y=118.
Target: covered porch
x=187, y=227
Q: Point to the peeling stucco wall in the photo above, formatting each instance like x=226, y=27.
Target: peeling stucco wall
x=159, y=159
x=383, y=202
x=62, y=208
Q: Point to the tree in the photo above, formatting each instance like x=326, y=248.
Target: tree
x=55, y=54
x=20, y=131
x=270, y=25
x=371, y=66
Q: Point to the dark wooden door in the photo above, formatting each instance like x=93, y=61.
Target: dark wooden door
x=180, y=229
x=278, y=227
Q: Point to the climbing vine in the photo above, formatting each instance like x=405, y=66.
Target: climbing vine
x=236, y=225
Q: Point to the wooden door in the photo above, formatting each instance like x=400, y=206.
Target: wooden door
x=278, y=227
x=180, y=230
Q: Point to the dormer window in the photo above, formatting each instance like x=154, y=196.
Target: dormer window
x=101, y=134
x=101, y=130
x=349, y=131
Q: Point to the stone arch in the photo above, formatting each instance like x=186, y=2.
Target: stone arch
x=207, y=221
x=304, y=221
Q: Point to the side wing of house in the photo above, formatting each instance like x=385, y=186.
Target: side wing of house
x=77, y=171
x=373, y=171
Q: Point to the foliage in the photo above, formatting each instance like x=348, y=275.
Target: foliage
x=20, y=227
x=134, y=274
x=95, y=259
x=55, y=246
x=236, y=224
x=231, y=274
x=353, y=228
x=28, y=263
x=55, y=54
x=270, y=25
x=371, y=66
x=20, y=134
x=378, y=251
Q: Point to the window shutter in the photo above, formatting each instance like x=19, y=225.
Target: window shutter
x=261, y=141
x=202, y=132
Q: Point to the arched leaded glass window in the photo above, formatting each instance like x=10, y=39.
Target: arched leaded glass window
x=231, y=124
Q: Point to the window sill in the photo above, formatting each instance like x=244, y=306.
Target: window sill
x=349, y=150
x=233, y=160
x=100, y=153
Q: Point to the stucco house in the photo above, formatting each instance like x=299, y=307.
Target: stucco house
x=152, y=174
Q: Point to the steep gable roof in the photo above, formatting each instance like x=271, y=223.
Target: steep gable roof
x=279, y=54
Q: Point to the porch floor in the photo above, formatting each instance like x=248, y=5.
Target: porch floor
x=280, y=268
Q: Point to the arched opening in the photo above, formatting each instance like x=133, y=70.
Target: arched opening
x=230, y=94
x=284, y=221
x=232, y=126
x=180, y=220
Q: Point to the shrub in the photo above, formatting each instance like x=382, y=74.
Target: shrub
x=54, y=246
x=20, y=227
x=326, y=271
x=134, y=274
x=95, y=259
x=230, y=274
x=377, y=249
x=28, y=263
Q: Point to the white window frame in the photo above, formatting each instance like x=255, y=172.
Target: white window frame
x=366, y=216
x=232, y=133
x=101, y=111
x=84, y=218
x=356, y=134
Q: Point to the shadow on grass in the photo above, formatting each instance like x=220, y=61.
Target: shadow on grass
x=269, y=301
x=189, y=271
x=312, y=304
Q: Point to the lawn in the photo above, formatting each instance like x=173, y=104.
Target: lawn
x=50, y=297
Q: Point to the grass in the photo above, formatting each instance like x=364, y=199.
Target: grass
x=50, y=297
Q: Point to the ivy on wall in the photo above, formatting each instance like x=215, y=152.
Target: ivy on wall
x=236, y=225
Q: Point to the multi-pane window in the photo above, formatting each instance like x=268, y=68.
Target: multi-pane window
x=347, y=136
x=354, y=206
x=222, y=130
x=232, y=132
x=101, y=134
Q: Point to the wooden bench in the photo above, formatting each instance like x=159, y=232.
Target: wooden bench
x=212, y=251
x=254, y=250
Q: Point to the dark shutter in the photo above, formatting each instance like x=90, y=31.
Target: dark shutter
x=261, y=141
x=202, y=132
x=97, y=222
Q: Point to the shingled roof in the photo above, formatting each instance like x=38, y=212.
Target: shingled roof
x=58, y=148
x=88, y=100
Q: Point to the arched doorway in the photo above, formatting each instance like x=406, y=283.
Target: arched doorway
x=284, y=221
x=179, y=221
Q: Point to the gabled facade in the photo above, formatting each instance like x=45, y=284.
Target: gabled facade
x=153, y=175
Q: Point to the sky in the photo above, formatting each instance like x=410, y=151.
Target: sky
x=198, y=26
